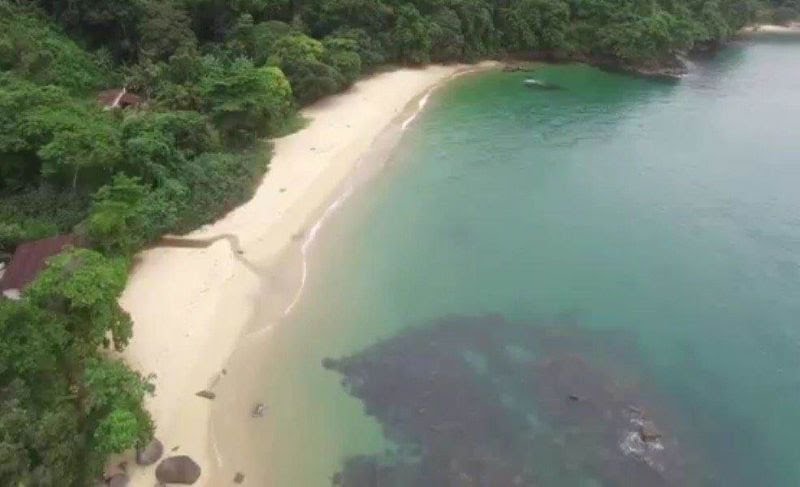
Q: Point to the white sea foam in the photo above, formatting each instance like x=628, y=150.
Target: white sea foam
x=420, y=105
x=310, y=237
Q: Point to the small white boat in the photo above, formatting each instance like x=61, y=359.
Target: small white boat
x=542, y=85
x=533, y=82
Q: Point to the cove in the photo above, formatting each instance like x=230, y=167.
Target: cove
x=656, y=225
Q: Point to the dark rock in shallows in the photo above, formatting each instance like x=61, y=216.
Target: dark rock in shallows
x=118, y=480
x=239, y=478
x=573, y=397
x=648, y=431
x=150, y=453
x=178, y=470
x=206, y=394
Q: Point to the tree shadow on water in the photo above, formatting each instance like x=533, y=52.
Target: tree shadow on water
x=479, y=401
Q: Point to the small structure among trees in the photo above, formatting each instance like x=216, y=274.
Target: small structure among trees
x=29, y=260
x=118, y=98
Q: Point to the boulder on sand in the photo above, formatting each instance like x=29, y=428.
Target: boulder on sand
x=150, y=453
x=118, y=480
x=178, y=470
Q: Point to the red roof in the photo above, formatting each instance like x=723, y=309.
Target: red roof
x=30, y=258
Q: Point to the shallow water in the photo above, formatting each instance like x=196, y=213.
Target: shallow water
x=666, y=214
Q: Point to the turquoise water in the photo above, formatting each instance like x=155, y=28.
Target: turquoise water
x=666, y=212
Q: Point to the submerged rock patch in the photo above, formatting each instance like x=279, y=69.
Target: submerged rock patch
x=481, y=401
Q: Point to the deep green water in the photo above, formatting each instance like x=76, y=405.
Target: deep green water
x=669, y=213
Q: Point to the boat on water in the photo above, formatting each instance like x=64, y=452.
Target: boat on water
x=535, y=83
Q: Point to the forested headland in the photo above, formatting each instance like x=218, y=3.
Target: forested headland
x=214, y=79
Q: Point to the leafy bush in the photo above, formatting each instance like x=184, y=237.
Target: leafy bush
x=246, y=102
x=217, y=183
x=157, y=144
x=33, y=48
x=785, y=14
x=37, y=213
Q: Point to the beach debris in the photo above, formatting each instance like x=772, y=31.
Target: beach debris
x=238, y=478
x=118, y=480
x=151, y=453
x=573, y=397
x=206, y=394
x=258, y=410
x=178, y=470
x=224, y=371
x=282, y=190
x=175, y=448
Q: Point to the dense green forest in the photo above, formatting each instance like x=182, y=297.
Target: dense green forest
x=217, y=77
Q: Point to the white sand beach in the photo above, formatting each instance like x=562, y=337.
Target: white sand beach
x=791, y=29
x=190, y=306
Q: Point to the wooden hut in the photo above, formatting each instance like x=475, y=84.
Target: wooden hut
x=29, y=259
x=118, y=98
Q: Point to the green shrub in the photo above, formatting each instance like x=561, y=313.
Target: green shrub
x=217, y=183
x=246, y=102
x=35, y=49
x=38, y=213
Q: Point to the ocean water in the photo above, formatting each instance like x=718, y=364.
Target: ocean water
x=536, y=273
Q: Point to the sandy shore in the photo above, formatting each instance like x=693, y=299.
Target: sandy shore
x=190, y=306
x=791, y=29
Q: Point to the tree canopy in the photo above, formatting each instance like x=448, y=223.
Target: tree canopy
x=64, y=405
x=216, y=78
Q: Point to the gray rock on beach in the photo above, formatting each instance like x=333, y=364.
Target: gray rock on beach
x=150, y=453
x=178, y=470
x=118, y=480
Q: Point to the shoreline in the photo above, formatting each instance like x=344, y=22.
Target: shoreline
x=192, y=306
x=792, y=29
